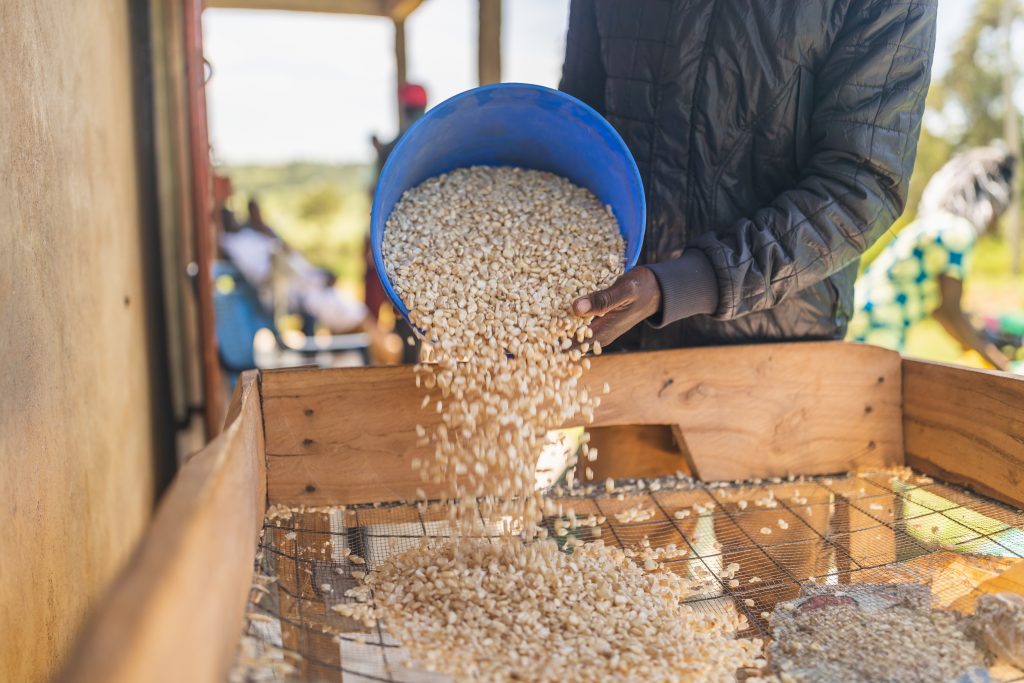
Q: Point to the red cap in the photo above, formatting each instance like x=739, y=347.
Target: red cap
x=412, y=95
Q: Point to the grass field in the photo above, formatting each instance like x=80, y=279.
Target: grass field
x=324, y=211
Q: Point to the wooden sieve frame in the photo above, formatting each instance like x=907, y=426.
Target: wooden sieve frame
x=327, y=437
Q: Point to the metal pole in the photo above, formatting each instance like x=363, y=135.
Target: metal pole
x=1011, y=130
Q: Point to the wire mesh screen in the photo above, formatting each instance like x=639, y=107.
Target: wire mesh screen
x=871, y=528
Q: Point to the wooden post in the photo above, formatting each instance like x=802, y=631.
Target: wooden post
x=489, y=42
x=1011, y=132
x=202, y=213
x=400, y=69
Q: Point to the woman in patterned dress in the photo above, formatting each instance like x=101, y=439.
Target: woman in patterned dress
x=922, y=271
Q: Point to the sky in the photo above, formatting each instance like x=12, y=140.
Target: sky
x=292, y=86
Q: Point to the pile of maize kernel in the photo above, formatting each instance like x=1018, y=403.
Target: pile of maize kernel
x=508, y=610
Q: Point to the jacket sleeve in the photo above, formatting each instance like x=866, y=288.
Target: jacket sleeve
x=863, y=140
x=583, y=74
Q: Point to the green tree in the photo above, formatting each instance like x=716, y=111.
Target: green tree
x=966, y=104
x=968, y=99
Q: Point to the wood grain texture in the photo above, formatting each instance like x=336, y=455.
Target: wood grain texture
x=306, y=617
x=397, y=9
x=1010, y=581
x=81, y=426
x=488, y=44
x=966, y=426
x=202, y=214
x=176, y=611
x=347, y=435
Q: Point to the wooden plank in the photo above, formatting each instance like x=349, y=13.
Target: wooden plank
x=375, y=8
x=401, y=69
x=396, y=9
x=966, y=426
x=174, y=205
x=489, y=42
x=347, y=435
x=176, y=611
x=399, y=10
x=1010, y=581
x=247, y=381
x=202, y=213
x=302, y=607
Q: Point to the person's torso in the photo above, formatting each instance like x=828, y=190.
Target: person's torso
x=714, y=99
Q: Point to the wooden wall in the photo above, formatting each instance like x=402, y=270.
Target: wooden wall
x=79, y=431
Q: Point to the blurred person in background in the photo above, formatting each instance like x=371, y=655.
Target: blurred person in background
x=922, y=271
x=251, y=248
x=413, y=102
x=248, y=250
x=311, y=290
x=257, y=223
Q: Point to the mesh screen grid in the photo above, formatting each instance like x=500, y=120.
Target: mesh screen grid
x=867, y=528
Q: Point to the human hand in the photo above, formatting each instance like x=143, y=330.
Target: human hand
x=997, y=358
x=630, y=300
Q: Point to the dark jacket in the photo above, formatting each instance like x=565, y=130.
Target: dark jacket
x=775, y=140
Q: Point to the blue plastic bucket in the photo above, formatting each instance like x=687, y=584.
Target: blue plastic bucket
x=514, y=124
